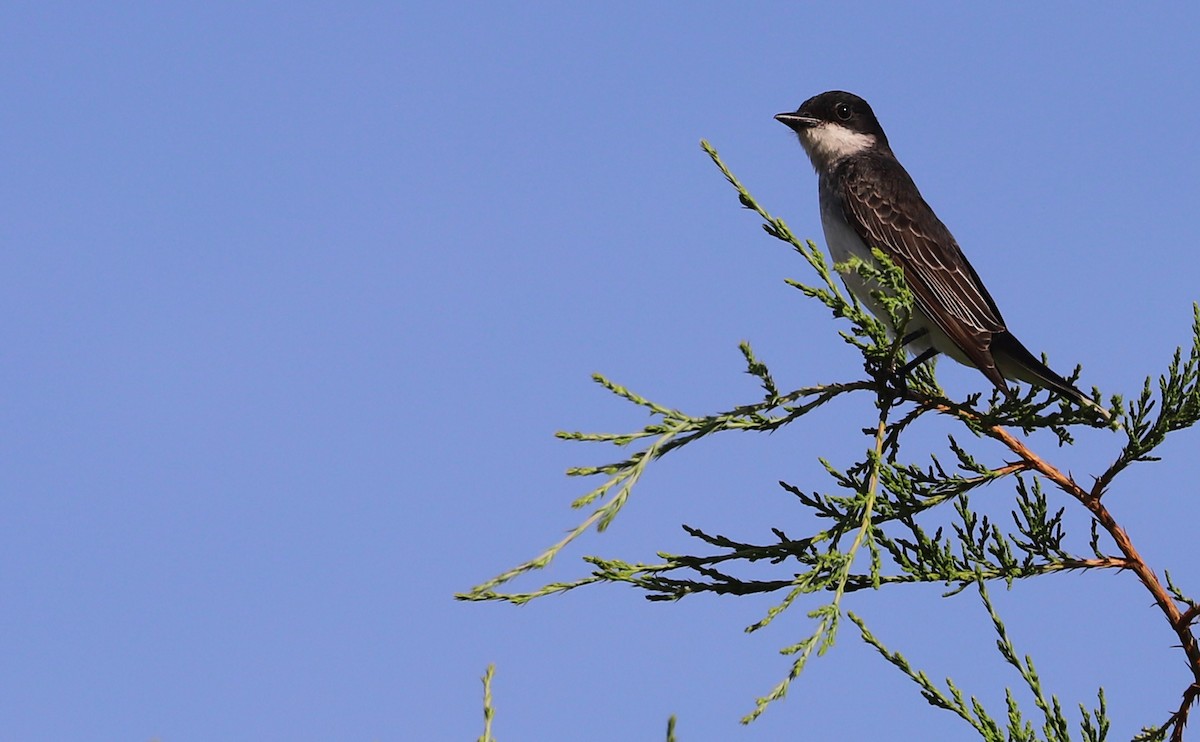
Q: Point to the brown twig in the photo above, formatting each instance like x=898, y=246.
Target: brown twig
x=1180, y=622
x=1179, y=719
x=1191, y=614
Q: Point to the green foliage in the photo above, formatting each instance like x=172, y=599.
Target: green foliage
x=888, y=519
x=489, y=712
x=1055, y=727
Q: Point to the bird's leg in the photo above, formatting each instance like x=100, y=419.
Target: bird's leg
x=897, y=375
x=914, y=335
x=894, y=377
x=925, y=356
x=898, y=378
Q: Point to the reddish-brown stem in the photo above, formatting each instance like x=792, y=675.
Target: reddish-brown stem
x=1134, y=561
x=1180, y=622
x=1191, y=614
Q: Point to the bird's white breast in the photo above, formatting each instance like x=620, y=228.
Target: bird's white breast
x=844, y=243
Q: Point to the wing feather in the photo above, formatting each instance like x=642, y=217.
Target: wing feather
x=888, y=212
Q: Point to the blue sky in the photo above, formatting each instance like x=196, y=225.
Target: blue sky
x=296, y=295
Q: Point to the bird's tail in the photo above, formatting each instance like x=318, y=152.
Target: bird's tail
x=1015, y=361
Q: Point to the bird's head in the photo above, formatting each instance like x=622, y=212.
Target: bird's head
x=834, y=125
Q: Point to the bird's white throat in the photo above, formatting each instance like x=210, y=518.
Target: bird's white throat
x=827, y=143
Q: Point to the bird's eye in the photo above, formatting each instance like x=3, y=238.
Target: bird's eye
x=843, y=111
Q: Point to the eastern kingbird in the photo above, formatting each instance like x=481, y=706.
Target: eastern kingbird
x=868, y=200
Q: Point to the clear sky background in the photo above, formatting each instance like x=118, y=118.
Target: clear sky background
x=296, y=294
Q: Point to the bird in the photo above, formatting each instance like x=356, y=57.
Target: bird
x=868, y=200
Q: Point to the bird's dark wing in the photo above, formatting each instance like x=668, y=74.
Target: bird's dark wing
x=888, y=212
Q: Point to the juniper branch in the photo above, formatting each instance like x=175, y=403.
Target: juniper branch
x=882, y=498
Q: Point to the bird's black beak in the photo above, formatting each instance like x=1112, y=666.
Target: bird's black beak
x=796, y=121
